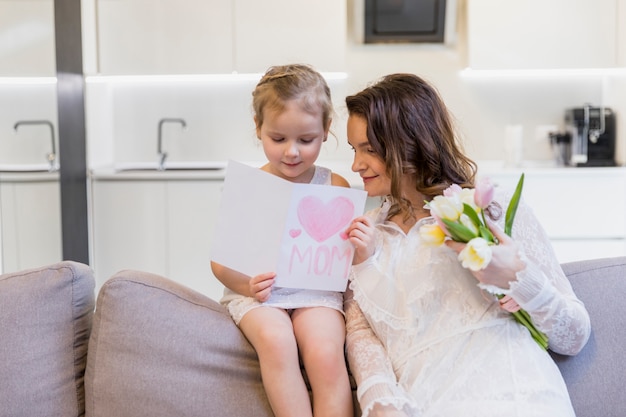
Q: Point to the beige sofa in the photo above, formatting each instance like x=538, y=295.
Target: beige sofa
x=155, y=348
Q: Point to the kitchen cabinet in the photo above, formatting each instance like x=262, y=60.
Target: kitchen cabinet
x=218, y=36
x=583, y=210
x=30, y=221
x=163, y=226
x=27, y=42
x=164, y=36
x=535, y=34
x=311, y=32
x=621, y=34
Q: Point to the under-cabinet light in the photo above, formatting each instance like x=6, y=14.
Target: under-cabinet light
x=192, y=77
x=469, y=73
x=28, y=80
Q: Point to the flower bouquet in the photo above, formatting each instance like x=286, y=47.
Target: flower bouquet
x=460, y=215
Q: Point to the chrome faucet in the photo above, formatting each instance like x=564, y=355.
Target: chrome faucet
x=160, y=152
x=50, y=157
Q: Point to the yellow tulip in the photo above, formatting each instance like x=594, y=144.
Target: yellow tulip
x=432, y=235
x=476, y=255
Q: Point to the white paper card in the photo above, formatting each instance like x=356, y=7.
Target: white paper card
x=268, y=224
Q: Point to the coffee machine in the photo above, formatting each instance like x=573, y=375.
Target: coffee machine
x=592, y=133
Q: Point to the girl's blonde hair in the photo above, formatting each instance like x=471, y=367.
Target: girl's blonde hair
x=288, y=82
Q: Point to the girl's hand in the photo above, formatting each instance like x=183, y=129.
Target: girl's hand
x=361, y=234
x=261, y=286
x=505, y=260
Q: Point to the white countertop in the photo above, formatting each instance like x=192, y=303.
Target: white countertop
x=217, y=171
x=27, y=176
x=111, y=174
x=191, y=171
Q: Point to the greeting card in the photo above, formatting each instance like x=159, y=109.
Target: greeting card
x=268, y=224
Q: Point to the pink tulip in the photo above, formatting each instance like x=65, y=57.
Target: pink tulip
x=483, y=193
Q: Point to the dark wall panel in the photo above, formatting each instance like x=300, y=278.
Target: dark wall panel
x=72, y=132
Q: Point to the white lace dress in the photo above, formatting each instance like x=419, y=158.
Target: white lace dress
x=423, y=337
x=286, y=298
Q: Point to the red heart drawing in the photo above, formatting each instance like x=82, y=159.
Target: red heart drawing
x=322, y=220
x=294, y=233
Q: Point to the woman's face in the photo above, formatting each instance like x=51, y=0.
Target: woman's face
x=367, y=163
x=292, y=139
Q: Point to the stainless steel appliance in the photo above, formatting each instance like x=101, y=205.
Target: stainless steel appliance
x=592, y=132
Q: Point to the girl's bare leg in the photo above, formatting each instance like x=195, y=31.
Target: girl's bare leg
x=320, y=333
x=270, y=331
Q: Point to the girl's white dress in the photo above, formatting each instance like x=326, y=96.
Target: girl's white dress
x=286, y=298
x=424, y=338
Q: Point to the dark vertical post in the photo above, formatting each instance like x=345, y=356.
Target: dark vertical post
x=72, y=140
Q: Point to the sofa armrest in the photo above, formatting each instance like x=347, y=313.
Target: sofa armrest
x=158, y=348
x=595, y=376
x=45, y=320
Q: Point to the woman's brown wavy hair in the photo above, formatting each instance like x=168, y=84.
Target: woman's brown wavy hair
x=409, y=127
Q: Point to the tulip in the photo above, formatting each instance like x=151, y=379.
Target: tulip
x=467, y=196
x=454, y=189
x=476, y=255
x=467, y=222
x=443, y=207
x=432, y=235
x=483, y=193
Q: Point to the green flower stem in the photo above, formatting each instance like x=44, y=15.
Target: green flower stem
x=539, y=337
x=482, y=214
x=527, y=316
x=522, y=317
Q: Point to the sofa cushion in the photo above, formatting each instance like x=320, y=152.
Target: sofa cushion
x=160, y=349
x=45, y=320
x=595, y=376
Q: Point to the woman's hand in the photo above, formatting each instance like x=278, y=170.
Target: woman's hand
x=505, y=260
x=387, y=411
x=509, y=304
x=261, y=286
x=361, y=234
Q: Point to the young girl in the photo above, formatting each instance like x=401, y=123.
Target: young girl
x=292, y=112
x=422, y=339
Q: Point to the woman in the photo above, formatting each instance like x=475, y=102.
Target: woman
x=422, y=339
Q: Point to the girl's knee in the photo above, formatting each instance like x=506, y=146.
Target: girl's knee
x=271, y=339
x=328, y=357
x=281, y=341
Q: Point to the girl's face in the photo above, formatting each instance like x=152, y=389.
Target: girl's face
x=292, y=139
x=367, y=163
